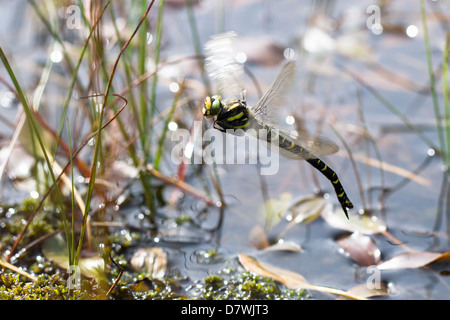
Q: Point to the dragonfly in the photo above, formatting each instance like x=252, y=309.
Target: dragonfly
x=233, y=115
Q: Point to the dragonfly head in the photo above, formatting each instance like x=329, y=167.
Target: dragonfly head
x=213, y=106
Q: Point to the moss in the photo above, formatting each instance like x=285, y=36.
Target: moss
x=242, y=285
x=47, y=287
x=14, y=218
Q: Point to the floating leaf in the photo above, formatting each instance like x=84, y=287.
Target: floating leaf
x=306, y=209
x=285, y=246
x=55, y=249
x=274, y=209
x=412, y=260
x=371, y=291
x=356, y=223
x=291, y=280
x=152, y=261
x=361, y=249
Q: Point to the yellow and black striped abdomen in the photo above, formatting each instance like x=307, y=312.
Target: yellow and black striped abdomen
x=332, y=176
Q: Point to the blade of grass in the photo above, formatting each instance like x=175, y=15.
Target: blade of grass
x=72, y=238
x=30, y=117
x=142, y=57
x=432, y=80
x=445, y=94
x=75, y=76
x=197, y=45
x=56, y=37
x=165, y=128
x=144, y=116
x=99, y=129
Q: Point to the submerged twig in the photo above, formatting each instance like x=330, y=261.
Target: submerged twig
x=196, y=193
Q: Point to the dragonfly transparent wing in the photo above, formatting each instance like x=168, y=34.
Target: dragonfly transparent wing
x=222, y=66
x=266, y=109
x=314, y=147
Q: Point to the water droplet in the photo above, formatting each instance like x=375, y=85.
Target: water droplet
x=34, y=194
x=7, y=99
x=56, y=56
x=172, y=126
x=174, y=87
x=412, y=31
x=290, y=120
x=289, y=53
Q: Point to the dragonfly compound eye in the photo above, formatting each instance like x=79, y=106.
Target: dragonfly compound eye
x=213, y=106
x=216, y=106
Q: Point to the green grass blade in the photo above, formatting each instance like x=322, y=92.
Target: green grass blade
x=445, y=94
x=144, y=116
x=30, y=117
x=432, y=78
x=165, y=128
x=72, y=238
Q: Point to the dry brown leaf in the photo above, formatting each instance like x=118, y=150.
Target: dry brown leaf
x=356, y=223
x=285, y=246
x=290, y=279
x=361, y=249
x=365, y=291
x=304, y=210
x=412, y=260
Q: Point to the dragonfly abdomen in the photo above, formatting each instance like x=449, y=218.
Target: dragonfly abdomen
x=332, y=176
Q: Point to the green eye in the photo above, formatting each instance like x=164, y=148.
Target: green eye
x=216, y=106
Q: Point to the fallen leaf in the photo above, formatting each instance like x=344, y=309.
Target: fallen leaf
x=366, y=291
x=361, y=249
x=284, y=246
x=304, y=210
x=290, y=279
x=274, y=209
x=412, y=260
x=356, y=223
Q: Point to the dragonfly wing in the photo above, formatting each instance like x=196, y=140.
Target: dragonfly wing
x=222, y=67
x=266, y=109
